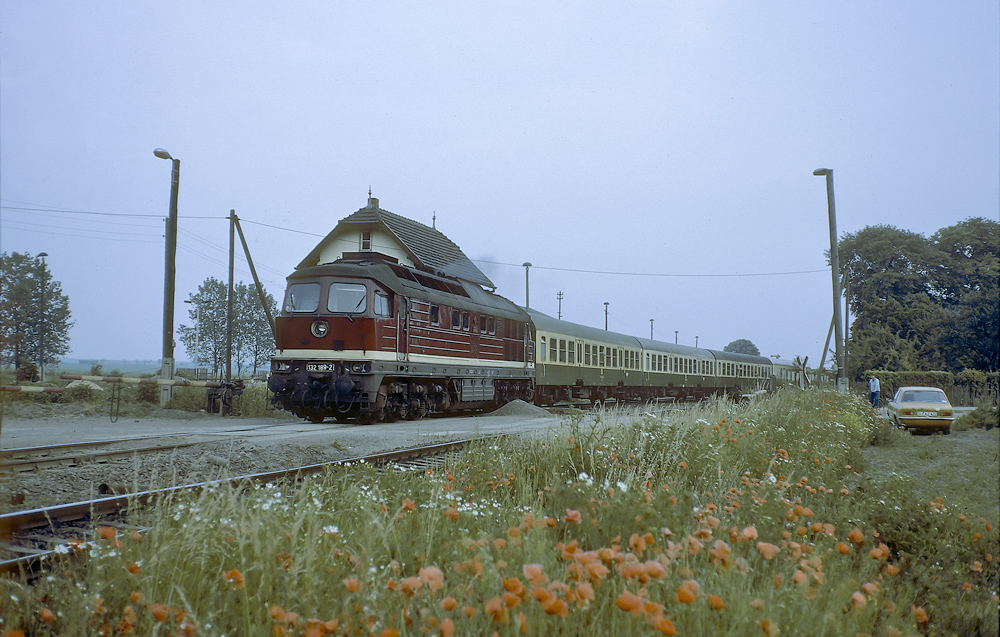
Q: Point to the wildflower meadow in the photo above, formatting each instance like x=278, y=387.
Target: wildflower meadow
x=726, y=519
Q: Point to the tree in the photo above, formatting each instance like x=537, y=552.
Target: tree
x=253, y=342
x=34, y=313
x=923, y=303
x=742, y=346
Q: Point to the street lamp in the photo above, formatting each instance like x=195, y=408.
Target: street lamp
x=526, y=266
x=169, y=273
x=197, y=334
x=838, y=342
x=41, y=329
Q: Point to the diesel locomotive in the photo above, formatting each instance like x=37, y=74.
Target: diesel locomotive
x=387, y=319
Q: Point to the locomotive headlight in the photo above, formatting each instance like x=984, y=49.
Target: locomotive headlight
x=280, y=366
x=319, y=328
x=361, y=368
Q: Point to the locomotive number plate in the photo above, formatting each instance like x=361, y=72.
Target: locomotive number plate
x=321, y=367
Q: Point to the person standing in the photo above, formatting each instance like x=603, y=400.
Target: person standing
x=873, y=389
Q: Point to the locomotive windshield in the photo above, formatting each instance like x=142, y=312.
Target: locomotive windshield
x=302, y=297
x=348, y=298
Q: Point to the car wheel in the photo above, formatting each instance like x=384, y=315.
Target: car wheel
x=947, y=430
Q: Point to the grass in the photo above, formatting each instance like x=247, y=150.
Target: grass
x=776, y=516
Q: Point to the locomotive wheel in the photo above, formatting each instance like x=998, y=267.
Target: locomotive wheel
x=365, y=418
x=315, y=418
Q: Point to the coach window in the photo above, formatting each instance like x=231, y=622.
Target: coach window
x=553, y=350
x=465, y=321
x=381, y=305
x=562, y=350
x=302, y=297
x=586, y=354
x=347, y=298
x=541, y=342
x=570, y=353
x=601, y=360
x=614, y=358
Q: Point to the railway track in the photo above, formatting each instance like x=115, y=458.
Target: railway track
x=31, y=537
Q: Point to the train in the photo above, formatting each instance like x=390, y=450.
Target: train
x=387, y=319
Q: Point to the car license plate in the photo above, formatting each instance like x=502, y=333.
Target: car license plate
x=321, y=367
x=928, y=414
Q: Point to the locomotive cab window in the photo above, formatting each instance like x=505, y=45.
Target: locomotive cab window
x=382, y=305
x=490, y=325
x=347, y=298
x=456, y=319
x=465, y=321
x=435, y=315
x=302, y=297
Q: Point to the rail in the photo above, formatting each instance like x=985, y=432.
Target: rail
x=19, y=521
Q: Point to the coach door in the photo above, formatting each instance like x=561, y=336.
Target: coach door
x=403, y=329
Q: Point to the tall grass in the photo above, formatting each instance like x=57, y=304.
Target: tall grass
x=728, y=519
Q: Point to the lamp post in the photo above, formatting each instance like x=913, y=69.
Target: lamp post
x=41, y=329
x=169, y=273
x=838, y=342
x=605, y=316
x=526, y=302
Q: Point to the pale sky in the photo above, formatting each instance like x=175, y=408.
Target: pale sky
x=657, y=155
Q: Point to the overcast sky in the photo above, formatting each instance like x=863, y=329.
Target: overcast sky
x=657, y=156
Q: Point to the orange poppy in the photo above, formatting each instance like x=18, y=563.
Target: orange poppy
x=159, y=612
x=572, y=516
x=716, y=602
x=748, y=533
x=449, y=603
x=767, y=550
x=533, y=573
x=856, y=536
x=234, y=577
x=433, y=577
x=687, y=592
x=843, y=549
x=451, y=513
x=664, y=625
x=352, y=584
x=447, y=627
x=919, y=614
x=496, y=609
x=629, y=603
x=106, y=532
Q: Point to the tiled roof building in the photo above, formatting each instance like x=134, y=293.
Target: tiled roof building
x=372, y=229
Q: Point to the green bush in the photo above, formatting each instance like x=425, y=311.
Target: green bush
x=984, y=416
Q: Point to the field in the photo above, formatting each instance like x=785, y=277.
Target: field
x=797, y=514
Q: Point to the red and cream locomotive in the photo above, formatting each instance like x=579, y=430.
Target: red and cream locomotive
x=386, y=319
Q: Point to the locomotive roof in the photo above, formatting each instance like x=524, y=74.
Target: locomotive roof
x=428, y=247
x=402, y=280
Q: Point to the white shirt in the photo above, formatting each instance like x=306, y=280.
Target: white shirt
x=873, y=385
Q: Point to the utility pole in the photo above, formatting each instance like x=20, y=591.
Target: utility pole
x=229, y=297
x=559, y=297
x=838, y=342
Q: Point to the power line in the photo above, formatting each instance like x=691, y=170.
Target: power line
x=650, y=274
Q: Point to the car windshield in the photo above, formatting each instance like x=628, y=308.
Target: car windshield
x=924, y=396
x=349, y=298
x=302, y=297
